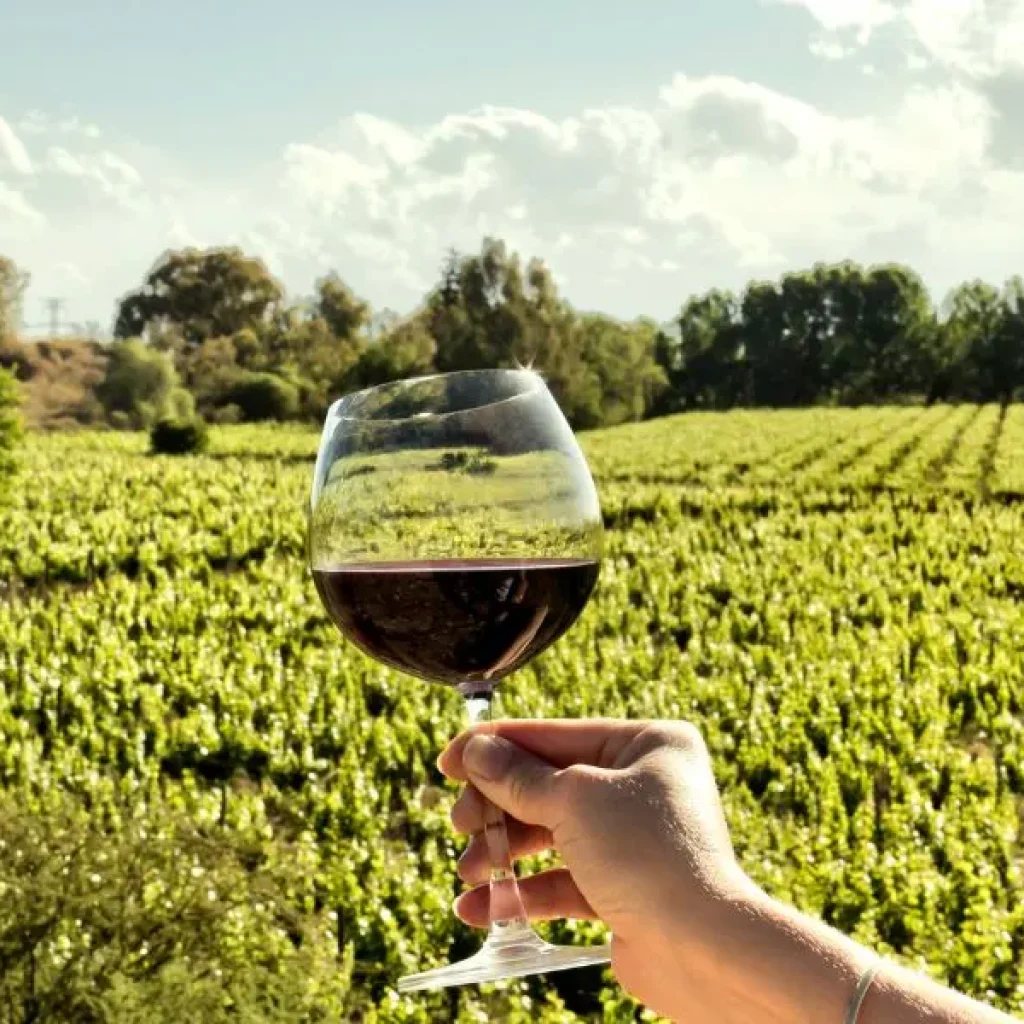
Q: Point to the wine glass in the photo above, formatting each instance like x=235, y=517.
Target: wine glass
x=455, y=533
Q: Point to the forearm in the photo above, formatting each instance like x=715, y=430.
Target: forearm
x=774, y=964
x=900, y=995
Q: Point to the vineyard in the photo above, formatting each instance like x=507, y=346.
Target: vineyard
x=836, y=597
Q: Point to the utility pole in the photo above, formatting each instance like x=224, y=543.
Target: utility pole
x=54, y=308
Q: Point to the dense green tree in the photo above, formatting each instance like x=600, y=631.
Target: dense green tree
x=202, y=293
x=620, y=360
x=706, y=367
x=344, y=313
x=898, y=330
x=984, y=332
x=832, y=333
x=406, y=350
x=489, y=311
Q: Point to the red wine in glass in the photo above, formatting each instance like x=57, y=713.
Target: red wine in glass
x=457, y=621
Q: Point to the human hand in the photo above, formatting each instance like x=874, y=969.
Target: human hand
x=633, y=810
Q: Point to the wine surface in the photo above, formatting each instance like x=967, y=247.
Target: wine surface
x=458, y=621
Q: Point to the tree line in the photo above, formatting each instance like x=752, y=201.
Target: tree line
x=212, y=331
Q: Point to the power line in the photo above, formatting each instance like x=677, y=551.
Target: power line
x=54, y=306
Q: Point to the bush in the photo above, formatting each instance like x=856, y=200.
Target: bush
x=172, y=436
x=10, y=421
x=138, y=381
x=123, y=917
x=180, y=405
x=264, y=396
x=226, y=414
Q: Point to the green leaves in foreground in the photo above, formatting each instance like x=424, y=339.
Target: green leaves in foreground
x=151, y=918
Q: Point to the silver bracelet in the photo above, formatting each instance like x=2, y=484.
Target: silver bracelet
x=861, y=992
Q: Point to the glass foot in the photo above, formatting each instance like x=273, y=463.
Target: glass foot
x=511, y=955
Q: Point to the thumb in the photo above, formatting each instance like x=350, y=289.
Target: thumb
x=514, y=780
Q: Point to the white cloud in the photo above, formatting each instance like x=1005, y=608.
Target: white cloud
x=864, y=16
x=15, y=210
x=713, y=180
x=36, y=122
x=974, y=37
x=829, y=48
x=71, y=273
x=60, y=160
x=102, y=170
x=13, y=151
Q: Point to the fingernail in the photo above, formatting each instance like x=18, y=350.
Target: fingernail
x=456, y=904
x=488, y=757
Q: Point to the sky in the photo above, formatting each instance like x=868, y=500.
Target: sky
x=646, y=151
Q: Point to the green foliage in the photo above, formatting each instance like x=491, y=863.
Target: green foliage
x=179, y=436
x=832, y=595
x=226, y=415
x=264, y=396
x=201, y=294
x=137, y=913
x=491, y=311
x=407, y=350
x=337, y=305
x=835, y=334
x=139, y=382
x=10, y=422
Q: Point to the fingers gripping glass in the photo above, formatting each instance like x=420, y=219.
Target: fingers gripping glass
x=455, y=533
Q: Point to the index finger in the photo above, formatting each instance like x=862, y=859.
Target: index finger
x=560, y=742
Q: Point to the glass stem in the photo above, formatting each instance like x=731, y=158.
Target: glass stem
x=508, y=920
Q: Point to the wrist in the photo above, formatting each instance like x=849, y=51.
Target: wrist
x=773, y=964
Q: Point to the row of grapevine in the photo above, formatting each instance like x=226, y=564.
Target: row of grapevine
x=819, y=591
x=853, y=666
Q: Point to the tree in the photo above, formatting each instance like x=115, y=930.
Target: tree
x=620, y=359
x=488, y=311
x=203, y=293
x=407, y=350
x=708, y=367
x=899, y=332
x=338, y=306
x=976, y=343
x=798, y=332
x=139, y=382
x=310, y=352
x=13, y=283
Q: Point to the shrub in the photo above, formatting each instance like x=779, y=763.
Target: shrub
x=10, y=421
x=172, y=436
x=226, y=414
x=180, y=405
x=264, y=396
x=138, y=381
x=124, y=918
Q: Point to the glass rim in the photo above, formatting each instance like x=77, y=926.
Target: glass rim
x=334, y=413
